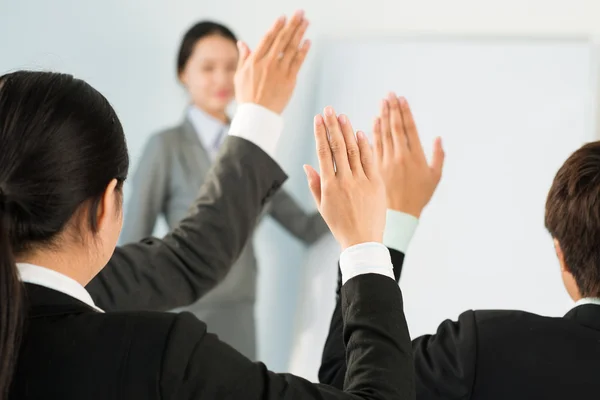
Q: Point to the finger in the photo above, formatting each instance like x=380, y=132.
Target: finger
x=352, y=150
x=397, y=126
x=299, y=58
x=437, y=161
x=267, y=41
x=323, y=149
x=377, y=144
x=336, y=142
x=410, y=129
x=285, y=35
x=293, y=47
x=386, y=132
x=314, y=183
x=366, y=155
x=244, y=53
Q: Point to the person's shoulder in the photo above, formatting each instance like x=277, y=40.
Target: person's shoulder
x=165, y=140
x=503, y=316
x=168, y=134
x=504, y=324
x=150, y=322
x=154, y=327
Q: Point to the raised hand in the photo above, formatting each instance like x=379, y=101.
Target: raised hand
x=351, y=195
x=267, y=76
x=409, y=180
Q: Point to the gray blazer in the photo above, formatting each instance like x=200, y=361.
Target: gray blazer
x=172, y=169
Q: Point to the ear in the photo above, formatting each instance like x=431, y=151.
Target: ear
x=107, y=209
x=182, y=77
x=567, y=277
x=561, y=256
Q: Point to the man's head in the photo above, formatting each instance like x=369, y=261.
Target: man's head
x=573, y=220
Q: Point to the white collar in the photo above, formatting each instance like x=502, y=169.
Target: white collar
x=56, y=281
x=587, y=300
x=209, y=129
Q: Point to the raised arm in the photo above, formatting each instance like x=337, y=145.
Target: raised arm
x=410, y=182
x=351, y=198
x=305, y=226
x=194, y=257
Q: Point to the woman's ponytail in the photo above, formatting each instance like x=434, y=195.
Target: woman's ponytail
x=11, y=304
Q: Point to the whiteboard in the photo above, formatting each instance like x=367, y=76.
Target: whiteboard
x=509, y=112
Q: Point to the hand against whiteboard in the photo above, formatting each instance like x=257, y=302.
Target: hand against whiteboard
x=267, y=76
x=409, y=180
x=351, y=195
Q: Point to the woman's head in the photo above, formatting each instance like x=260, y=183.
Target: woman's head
x=62, y=164
x=63, y=160
x=206, y=65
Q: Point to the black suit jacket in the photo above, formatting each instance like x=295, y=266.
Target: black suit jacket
x=163, y=274
x=496, y=355
x=70, y=351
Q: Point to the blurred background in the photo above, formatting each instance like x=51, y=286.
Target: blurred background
x=510, y=85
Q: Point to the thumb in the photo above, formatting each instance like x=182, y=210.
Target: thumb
x=244, y=53
x=314, y=183
x=437, y=162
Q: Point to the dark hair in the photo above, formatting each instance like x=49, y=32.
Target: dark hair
x=199, y=31
x=573, y=216
x=61, y=145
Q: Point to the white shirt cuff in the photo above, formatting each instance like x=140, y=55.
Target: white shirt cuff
x=366, y=258
x=399, y=230
x=258, y=125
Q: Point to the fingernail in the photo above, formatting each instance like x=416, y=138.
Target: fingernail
x=329, y=111
x=402, y=100
x=384, y=105
x=281, y=19
x=300, y=13
x=391, y=96
x=318, y=120
x=342, y=118
x=360, y=135
x=305, y=167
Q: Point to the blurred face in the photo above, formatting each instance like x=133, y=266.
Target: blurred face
x=208, y=74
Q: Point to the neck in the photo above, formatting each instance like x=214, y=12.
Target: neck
x=71, y=266
x=221, y=115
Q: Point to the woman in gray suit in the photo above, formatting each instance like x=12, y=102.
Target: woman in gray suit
x=174, y=165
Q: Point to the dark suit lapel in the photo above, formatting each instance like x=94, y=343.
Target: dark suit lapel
x=195, y=158
x=43, y=302
x=587, y=315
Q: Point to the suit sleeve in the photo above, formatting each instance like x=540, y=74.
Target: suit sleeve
x=195, y=256
x=376, y=337
x=307, y=227
x=333, y=362
x=444, y=362
x=149, y=191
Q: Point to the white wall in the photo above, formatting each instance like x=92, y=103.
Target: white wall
x=126, y=48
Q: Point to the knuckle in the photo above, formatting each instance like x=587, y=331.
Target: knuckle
x=399, y=159
x=353, y=151
x=323, y=150
x=335, y=145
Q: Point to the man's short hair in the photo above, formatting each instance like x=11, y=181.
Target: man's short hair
x=573, y=216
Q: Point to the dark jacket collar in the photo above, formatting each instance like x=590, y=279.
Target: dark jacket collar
x=587, y=315
x=42, y=302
